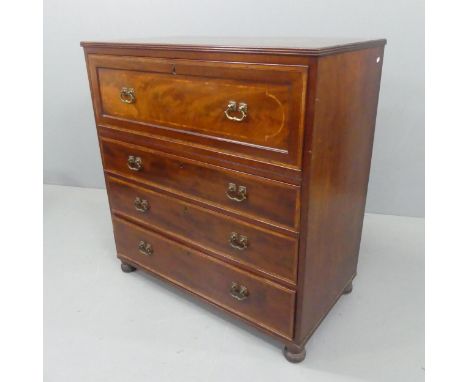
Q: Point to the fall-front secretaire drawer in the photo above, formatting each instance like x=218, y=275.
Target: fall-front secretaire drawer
x=263, y=302
x=252, y=110
x=248, y=195
x=271, y=254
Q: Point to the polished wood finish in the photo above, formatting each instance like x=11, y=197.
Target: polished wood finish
x=269, y=253
x=175, y=163
x=269, y=201
x=205, y=155
x=337, y=162
x=294, y=46
x=268, y=304
x=186, y=100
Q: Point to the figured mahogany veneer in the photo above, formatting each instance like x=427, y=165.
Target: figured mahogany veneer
x=182, y=99
x=238, y=171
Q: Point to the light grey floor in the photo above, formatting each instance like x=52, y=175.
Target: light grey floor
x=103, y=325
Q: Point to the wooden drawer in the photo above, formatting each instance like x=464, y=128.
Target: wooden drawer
x=261, y=250
x=273, y=202
x=188, y=101
x=268, y=304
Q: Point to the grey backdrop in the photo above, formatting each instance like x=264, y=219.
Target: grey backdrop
x=71, y=154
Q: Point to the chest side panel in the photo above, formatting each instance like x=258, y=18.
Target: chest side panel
x=337, y=157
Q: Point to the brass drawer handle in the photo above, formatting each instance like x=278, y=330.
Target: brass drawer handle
x=145, y=248
x=238, y=241
x=127, y=95
x=134, y=163
x=236, y=193
x=141, y=205
x=232, y=108
x=239, y=292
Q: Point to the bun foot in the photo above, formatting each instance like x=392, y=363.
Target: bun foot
x=294, y=354
x=127, y=268
x=349, y=288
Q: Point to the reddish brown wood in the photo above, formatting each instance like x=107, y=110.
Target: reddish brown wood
x=266, y=200
x=186, y=101
x=337, y=161
x=294, y=46
x=205, y=155
x=268, y=253
x=268, y=304
x=306, y=183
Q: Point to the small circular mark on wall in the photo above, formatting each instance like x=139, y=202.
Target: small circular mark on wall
x=378, y=60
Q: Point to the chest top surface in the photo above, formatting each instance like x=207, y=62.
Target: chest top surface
x=311, y=46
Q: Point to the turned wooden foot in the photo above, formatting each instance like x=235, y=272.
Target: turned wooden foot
x=294, y=353
x=127, y=268
x=348, y=288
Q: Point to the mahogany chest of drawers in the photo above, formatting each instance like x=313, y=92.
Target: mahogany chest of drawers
x=239, y=171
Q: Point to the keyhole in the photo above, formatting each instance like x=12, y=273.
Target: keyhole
x=173, y=69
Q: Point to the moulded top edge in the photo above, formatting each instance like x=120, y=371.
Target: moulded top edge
x=288, y=46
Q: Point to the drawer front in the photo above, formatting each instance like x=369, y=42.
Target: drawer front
x=266, y=200
x=249, y=109
x=264, y=251
x=267, y=304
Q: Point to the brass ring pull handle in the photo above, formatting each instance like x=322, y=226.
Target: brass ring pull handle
x=232, y=108
x=145, y=248
x=238, y=241
x=127, y=95
x=236, y=193
x=141, y=205
x=239, y=292
x=134, y=163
